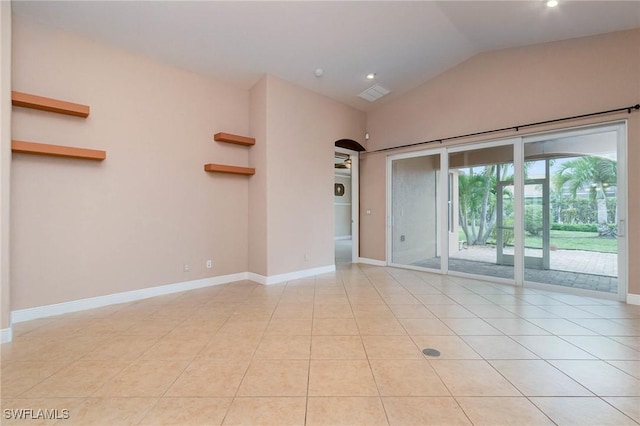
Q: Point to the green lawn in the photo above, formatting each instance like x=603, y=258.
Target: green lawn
x=571, y=240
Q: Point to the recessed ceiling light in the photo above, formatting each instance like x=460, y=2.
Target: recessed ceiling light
x=371, y=76
x=552, y=3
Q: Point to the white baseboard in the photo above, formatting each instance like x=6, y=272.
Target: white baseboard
x=257, y=278
x=633, y=299
x=112, y=299
x=274, y=279
x=373, y=262
x=343, y=237
x=28, y=314
x=6, y=335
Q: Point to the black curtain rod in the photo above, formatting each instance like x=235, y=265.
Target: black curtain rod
x=516, y=128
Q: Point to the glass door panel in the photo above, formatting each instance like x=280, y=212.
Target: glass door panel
x=570, y=210
x=415, y=218
x=483, y=211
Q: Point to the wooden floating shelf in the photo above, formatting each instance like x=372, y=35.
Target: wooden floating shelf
x=235, y=139
x=219, y=168
x=26, y=100
x=238, y=140
x=57, y=150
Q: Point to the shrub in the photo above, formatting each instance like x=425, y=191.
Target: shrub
x=533, y=219
x=576, y=227
x=607, y=230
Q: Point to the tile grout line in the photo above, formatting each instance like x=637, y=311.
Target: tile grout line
x=366, y=354
x=491, y=365
x=152, y=407
x=244, y=375
x=313, y=308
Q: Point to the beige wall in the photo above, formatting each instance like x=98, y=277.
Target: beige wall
x=5, y=160
x=505, y=88
x=302, y=127
x=258, y=183
x=83, y=229
x=372, y=206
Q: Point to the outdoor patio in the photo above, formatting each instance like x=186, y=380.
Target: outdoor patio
x=585, y=262
x=570, y=268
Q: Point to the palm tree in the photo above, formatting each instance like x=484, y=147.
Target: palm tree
x=477, y=202
x=470, y=198
x=596, y=173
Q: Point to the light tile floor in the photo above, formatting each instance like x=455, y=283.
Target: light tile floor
x=336, y=349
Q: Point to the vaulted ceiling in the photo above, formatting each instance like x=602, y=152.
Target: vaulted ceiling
x=404, y=43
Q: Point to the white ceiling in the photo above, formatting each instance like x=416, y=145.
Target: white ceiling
x=405, y=43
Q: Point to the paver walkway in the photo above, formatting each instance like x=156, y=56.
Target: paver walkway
x=586, y=262
x=569, y=268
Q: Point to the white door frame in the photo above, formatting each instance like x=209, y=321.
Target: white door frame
x=355, y=201
x=443, y=237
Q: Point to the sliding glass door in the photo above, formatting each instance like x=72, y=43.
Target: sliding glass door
x=573, y=208
x=540, y=210
x=483, y=211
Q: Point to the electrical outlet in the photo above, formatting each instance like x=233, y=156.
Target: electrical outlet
x=209, y=264
x=185, y=268
x=306, y=257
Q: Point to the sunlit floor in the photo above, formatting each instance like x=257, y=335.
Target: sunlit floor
x=338, y=349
